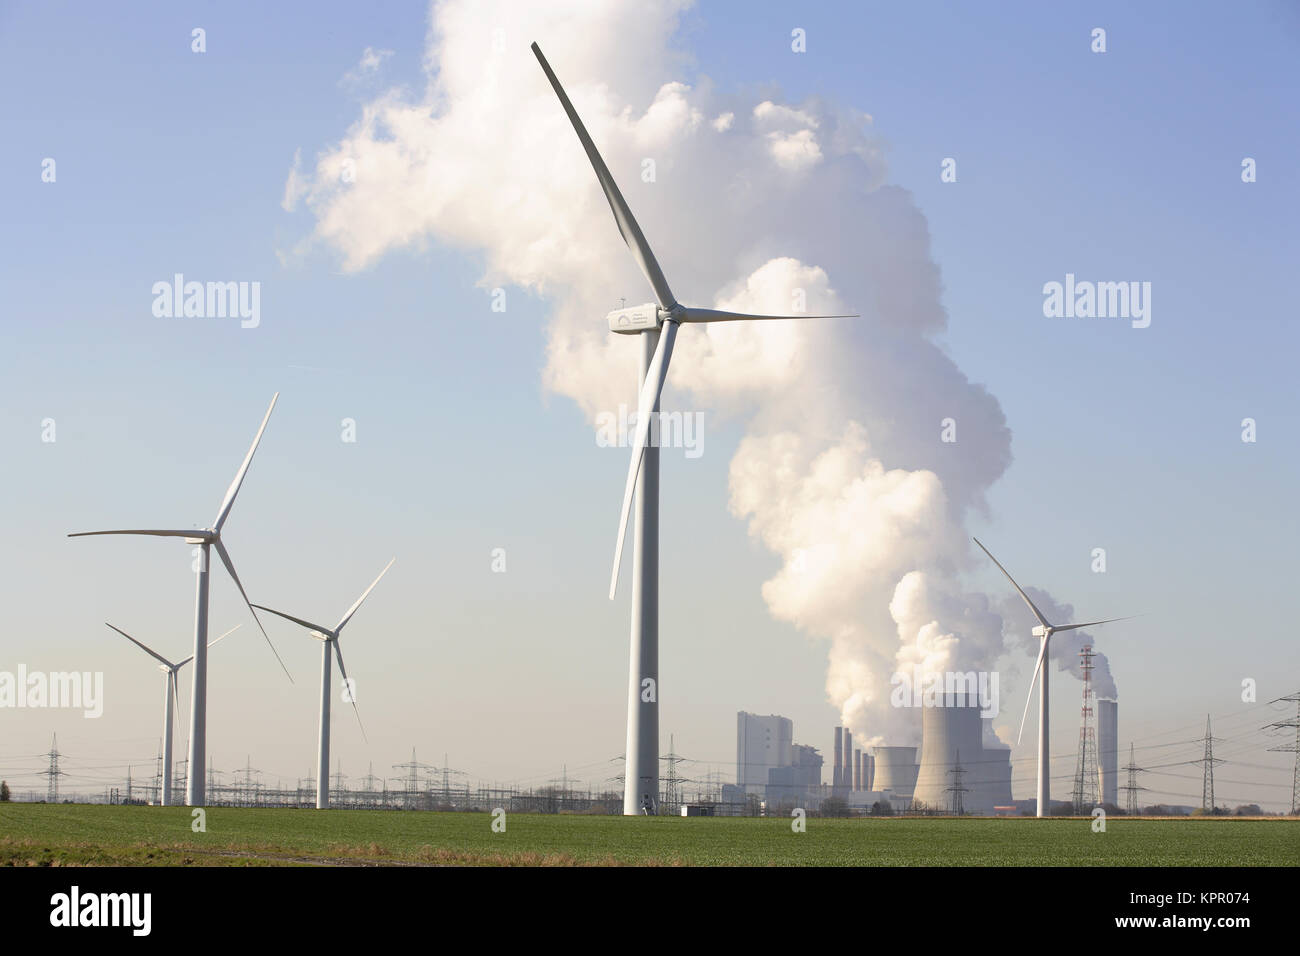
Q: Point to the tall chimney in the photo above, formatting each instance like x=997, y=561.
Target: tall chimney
x=847, y=779
x=857, y=770
x=837, y=773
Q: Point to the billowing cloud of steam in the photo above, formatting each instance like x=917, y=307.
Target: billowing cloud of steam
x=750, y=204
x=1065, y=645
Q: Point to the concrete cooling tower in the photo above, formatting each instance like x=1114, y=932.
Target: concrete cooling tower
x=894, y=770
x=997, y=761
x=946, y=732
x=1108, y=749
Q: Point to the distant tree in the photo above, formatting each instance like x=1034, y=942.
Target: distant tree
x=1245, y=810
x=834, y=807
x=4, y=791
x=882, y=808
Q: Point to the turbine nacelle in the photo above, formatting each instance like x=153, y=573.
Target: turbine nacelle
x=1040, y=631
x=635, y=318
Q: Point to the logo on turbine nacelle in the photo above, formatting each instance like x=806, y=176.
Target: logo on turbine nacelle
x=634, y=319
x=1039, y=631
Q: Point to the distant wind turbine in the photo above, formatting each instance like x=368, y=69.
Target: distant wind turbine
x=169, y=697
x=206, y=539
x=656, y=323
x=1044, y=632
x=330, y=638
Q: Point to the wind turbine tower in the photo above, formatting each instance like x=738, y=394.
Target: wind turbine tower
x=656, y=325
x=1043, y=631
x=204, y=540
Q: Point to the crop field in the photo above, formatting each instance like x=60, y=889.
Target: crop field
x=44, y=835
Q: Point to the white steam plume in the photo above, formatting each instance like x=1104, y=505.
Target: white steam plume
x=841, y=472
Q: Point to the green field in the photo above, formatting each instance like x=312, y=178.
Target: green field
x=40, y=835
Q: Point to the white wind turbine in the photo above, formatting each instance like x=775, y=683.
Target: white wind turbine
x=206, y=539
x=329, y=638
x=1044, y=631
x=656, y=323
x=169, y=697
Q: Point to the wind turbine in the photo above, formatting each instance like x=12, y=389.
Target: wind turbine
x=169, y=696
x=656, y=323
x=1043, y=631
x=329, y=637
x=206, y=539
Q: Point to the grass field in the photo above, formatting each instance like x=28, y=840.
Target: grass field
x=42, y=835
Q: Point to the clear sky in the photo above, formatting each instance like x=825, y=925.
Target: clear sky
x=376, y=306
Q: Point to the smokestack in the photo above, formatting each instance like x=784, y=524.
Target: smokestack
x=1107, y=750
x=837, y=774
x=868, y=772
x=857, y=770
x=847, y=780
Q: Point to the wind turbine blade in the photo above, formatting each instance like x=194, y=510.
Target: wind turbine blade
x=229, y=501
x=230, y=567
x=192, y=533
x=225, y=635
x=689, y=314
x=180, y=664
x=1037, y=613
x=297, y=620
x=1029, y=699
x=343, y=672
x=627, y=224
x=646, y=402
x=152, y=653
x=353, y=609
x=1072, y=627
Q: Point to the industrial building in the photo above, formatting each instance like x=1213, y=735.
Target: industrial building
x=762, y=744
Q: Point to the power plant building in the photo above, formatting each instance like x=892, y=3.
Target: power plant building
x=762, y=744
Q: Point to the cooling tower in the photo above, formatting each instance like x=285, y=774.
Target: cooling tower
x=1108, y=750
x=895, y=770
x=997, y=760
x=946, y=732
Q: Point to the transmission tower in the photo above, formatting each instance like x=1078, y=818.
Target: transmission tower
x=157, y=776
x=447, y=772
x=672, y=782
x=128, y=784
x=412, y=780
x=212, y=779
x=1085, y=774
x=956, y=803
x=1131, y=790
x=1291, y=748
x=369, y=780
x=1208, y=762
x=54, y=773
x=339, y=777
x=249, y=788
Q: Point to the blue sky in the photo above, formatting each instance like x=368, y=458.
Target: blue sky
x=1115, y=166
